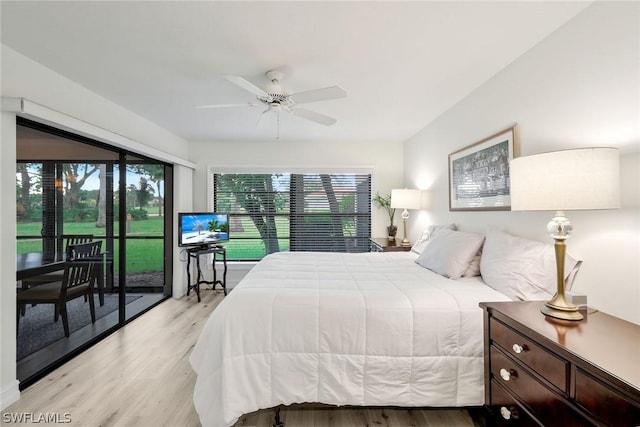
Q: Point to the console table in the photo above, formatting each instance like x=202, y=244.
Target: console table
x=195, y=253
x=541, y=371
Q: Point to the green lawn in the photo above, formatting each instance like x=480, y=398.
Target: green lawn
x=153, y=226
x=146, y=255
x=142, y=255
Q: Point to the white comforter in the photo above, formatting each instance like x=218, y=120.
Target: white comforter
x=344, y=329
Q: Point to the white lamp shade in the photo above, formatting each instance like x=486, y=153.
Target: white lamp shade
x=406, y=199
x=584, y=178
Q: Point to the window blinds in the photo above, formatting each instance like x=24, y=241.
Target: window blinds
x=296, y=212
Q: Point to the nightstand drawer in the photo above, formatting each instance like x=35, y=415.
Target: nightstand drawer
x=611, y=407
x=506, y=409
x=530, y=354
x=544, y=404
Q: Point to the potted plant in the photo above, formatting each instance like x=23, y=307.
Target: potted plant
x=384, y=201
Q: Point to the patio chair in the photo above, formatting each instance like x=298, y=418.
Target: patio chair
x=78, y=280
x=56, y=276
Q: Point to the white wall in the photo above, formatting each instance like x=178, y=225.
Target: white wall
x=22, y=77
x=578, y=88
x=8, y=383
x=384, y=158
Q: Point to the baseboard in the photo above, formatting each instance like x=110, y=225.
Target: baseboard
x=10, y=395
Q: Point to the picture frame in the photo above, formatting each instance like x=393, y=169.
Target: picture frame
x=479, y=173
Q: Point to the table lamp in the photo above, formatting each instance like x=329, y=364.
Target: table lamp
x=405, y=199
x=577, y=179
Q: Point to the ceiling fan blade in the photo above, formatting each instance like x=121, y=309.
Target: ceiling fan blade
x=313, y=116
x=316, y=95
x=246, y=104
x=247, y=85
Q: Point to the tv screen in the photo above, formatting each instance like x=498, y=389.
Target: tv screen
x=202, y=228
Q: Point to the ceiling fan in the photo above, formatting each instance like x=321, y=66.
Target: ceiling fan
x=277, y=98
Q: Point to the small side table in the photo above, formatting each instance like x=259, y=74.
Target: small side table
x=383, y=244
x=195, y=253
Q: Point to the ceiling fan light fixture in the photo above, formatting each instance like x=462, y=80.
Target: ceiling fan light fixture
x=275, y=107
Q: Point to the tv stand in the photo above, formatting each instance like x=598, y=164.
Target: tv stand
x=194, y=253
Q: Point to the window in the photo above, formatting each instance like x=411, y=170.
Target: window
x=294, y=212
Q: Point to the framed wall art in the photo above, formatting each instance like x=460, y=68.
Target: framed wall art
x=479, y=173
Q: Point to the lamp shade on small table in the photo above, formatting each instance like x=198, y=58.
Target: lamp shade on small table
x=578, y=179
x=406, y=199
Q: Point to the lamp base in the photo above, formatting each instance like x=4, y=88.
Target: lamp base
x=406, y=242
x=558, y=307
x=564, y=313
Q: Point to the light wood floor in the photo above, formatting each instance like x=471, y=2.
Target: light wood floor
x=140, y=376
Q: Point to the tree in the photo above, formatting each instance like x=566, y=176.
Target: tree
x=334, y=207
x=254, y=193
x=155, y=174
x=199, y=226
x=28, y=199
x=131, y=196
x=102, y=198
x=144, y=192
x=75, y=175
x=23, y=189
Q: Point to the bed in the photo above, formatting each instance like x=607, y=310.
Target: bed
x=369, y=329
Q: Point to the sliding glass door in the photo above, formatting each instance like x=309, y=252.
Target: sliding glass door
x=69, y=186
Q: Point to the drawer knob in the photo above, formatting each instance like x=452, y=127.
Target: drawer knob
x=517, y=348
x=505, y=412
x=506, y=374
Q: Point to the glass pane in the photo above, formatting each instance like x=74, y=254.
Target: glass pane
x=145, y=265
x=259, y=206
x=145, y=245
x=84, y=193
x=29, y=206
x=145, y=199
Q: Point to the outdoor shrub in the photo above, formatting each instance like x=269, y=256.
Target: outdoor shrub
x=138, y=214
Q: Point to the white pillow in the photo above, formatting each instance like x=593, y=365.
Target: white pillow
x=522, y=269
x=450, y=252
x=474, y=266
x=423, y=241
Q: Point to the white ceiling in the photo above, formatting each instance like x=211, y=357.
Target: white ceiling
x=401, y=63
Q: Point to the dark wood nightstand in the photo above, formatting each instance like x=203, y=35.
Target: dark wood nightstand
x=539, y=371
x=383, y=244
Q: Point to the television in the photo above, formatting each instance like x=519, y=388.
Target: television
x=202, y=228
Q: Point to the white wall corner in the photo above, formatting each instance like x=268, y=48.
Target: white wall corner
x=8, y=378
x=9, y=395
x=182, y=202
